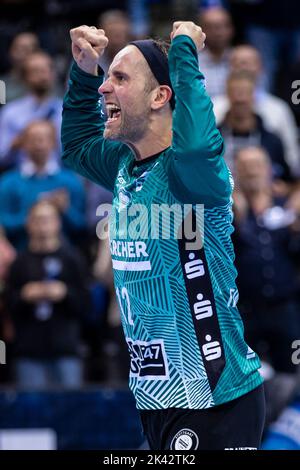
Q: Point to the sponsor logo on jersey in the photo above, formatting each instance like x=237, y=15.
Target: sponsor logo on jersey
x=124, y=198
x=128, y=249
x=136, y=251
x=203, y=309
x=250, y=353
x=233, y=298
x=121, y=177
x=140, y=181
x=186, y=439
x=148, y=359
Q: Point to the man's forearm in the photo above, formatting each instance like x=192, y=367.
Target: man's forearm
x=84, y=148
x=197, y=143
x=81, y=110
x=194, y=121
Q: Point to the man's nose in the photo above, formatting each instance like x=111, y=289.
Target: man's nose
x=106, y=87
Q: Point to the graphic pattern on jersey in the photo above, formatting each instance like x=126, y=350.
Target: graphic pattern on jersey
x=167, y=367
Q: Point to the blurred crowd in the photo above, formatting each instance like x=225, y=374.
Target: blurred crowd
x=58, y=312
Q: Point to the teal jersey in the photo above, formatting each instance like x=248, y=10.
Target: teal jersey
x=177, y=298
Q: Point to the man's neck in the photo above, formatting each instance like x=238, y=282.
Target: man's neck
x=216, y=54
x=42, y=96
x=259, y=200
x=44, y=245
x=40, y=168
x=158, y=138
x=241, y=123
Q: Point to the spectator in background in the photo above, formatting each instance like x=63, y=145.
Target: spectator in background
x=212, y=3
x=214, y=60
x=266, y=246
x=273, y=27
x=46, y=298
x=138, y=11
x=275, y=113
x=22, y=45
x=243, y=128
x=117, y=27
x=7, y=256
x=114, y=346
x=95, y=196
x=40, y=177
x=39, y=103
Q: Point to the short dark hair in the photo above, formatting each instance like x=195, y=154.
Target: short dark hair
x=155, y=53
x=163, y=45
x=113, y=15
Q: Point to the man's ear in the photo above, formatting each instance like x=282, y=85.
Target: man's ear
x=161, y=95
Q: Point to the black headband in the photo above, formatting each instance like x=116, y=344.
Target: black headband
x=158, y=63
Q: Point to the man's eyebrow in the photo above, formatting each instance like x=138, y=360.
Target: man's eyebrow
x=117, y=72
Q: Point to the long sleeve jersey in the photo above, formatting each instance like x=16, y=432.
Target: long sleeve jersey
x=177, y=296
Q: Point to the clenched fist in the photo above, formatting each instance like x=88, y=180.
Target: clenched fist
x=188, y=28
x=88, y=45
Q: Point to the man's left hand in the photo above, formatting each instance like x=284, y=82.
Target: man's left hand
x=188, y=28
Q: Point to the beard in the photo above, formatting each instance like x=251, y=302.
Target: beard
x=131, y=128
x=41, y=89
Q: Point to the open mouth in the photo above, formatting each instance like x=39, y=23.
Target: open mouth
x=113, y=113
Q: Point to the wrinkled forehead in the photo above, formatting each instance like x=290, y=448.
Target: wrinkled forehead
x=42, y=211
x=129, y=59
x=38, y=62
x=252, y=157
x=245, y=55
x=215, y=16
x=236, y=86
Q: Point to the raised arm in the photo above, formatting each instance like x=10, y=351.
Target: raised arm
x=84, y=148
x=198, y=168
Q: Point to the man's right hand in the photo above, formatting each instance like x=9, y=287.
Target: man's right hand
x=88, y=45
x=36, y=291
x=33, y=292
